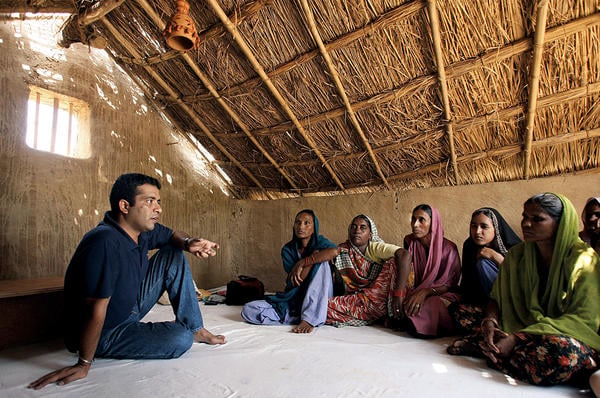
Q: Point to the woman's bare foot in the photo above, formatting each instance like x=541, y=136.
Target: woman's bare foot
x=303, y=327
x=204, y=336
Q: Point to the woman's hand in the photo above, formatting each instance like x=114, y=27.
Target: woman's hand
x=490, y=254
x=495, y=343
x=398, y=307
x=414, y=302
x=299, y=272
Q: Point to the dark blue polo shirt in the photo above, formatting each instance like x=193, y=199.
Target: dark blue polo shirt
x=108, y=263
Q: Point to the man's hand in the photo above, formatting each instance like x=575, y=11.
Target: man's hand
x=203, y=248
x=62, y=376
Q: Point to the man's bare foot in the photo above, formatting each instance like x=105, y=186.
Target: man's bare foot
x=303, y=327
x=204, y=336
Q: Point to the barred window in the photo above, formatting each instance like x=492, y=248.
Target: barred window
x=57, y=123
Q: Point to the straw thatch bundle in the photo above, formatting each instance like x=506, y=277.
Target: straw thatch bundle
x=299, y=97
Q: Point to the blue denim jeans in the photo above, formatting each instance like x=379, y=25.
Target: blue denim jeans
x=169, y=270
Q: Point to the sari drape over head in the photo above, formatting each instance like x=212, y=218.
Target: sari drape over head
x=505, y=238
x=584, y=234
x=367, y=281
x=291, y=298
x=569, y=303
x=434, y=267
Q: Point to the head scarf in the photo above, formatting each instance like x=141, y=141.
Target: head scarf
x=291, y=299
x=584, y=234
x=345, y=262
x=374, y=234
x=289, y=252
x=504, y=237
x=435, y=267
x=564, y=307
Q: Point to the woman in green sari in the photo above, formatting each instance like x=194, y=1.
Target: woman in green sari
x=541, y=325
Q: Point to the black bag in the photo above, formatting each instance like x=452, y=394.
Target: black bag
x=243, y=290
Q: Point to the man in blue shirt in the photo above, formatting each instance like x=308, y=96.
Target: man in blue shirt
x=110, y=285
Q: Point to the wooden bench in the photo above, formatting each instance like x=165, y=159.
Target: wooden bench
x=31, y=310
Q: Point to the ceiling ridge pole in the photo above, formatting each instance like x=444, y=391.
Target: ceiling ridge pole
x=340, y=88
x=187, y=109
x=434, y=20
x=208, y=84
x=534, y=81
x=232, y=29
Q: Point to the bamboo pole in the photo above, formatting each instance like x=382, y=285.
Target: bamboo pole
x=246, y=11
x=513, y=149
x=385, y=20
x=208, y=84
x=477, y=121
x=441, y=69
x=239, y=40
x=452, y=71
x=131, y=49
x=534, y=81
x=340, y=88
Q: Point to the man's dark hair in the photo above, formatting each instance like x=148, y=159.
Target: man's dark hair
x=125, y=187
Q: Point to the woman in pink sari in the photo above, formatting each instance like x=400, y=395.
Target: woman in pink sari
x=421, y=301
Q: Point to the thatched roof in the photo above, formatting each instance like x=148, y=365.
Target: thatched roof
x=296, y=97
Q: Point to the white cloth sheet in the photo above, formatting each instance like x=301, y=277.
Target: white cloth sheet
x=270, y=361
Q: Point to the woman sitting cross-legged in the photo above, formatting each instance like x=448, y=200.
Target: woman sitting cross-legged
x=489, y=239
x=541, y=323
x=308, y=284
x=420, y=302
x=367, y=266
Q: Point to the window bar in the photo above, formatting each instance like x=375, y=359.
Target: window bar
x=54, y=124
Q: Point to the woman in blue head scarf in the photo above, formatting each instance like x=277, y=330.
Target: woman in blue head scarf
x=308, y=283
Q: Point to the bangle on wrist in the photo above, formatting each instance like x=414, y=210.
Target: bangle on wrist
x=186, y=243
x=399, y=293
x=84, y=362
x=435, y=292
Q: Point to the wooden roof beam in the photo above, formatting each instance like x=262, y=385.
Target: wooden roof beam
x=340, y=88
x=131, y=49
x=434, y=21
x=534, y=81
x=239, y=40
x=208, y=84
x=246, y=11
x=476, y=121
x=452, y=71
x=399, y=13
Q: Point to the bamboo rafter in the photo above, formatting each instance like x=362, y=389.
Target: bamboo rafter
x=273, y=90
x=441, y=69
x=453, y=71
x=340, y=88
x=474, y=122
x=190, y=112
x=246, y=11
x=534, y=80
x=387, y=19
x=208, y=84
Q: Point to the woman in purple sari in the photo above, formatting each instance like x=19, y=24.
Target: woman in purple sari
x=422, y=299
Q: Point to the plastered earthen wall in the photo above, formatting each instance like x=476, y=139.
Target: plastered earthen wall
x=266, y=226
x=47, y=202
